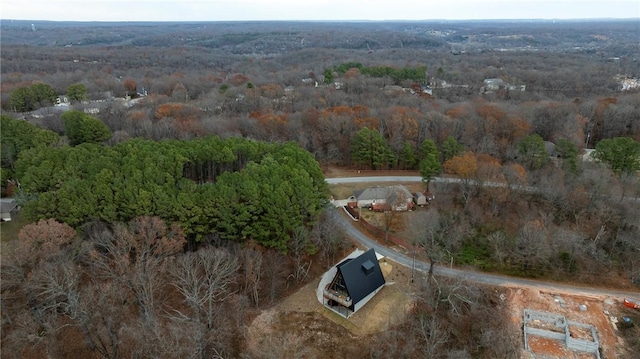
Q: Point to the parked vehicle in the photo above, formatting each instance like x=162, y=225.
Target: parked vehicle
x=631, y=303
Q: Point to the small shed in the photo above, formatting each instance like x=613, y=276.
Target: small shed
x=423, y=198
x=7, y=206
x=550, y=147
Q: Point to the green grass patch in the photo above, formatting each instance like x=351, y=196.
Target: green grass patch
x=476, y=254
x=9, y=230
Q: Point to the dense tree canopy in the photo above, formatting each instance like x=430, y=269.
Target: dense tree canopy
x=237, y=196
x=238, y=189
x=396, y=74
x=328, y=76
x=82, y=128
x=370, y=149
x=44, y=93
x=406, y=157
x=17, y=136
x=465, y=165
x=621, y=153
x=32, y=97
x=77, y=92
x=568, y=152
x=22, y=99
x=534, y=155
x=450, y=148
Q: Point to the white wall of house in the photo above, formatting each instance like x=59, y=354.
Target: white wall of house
x=364, y=300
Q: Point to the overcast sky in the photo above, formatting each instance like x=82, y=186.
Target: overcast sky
x=233, y=10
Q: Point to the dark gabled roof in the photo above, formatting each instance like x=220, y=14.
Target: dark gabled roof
x=362, y=275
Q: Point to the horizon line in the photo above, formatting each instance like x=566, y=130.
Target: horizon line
x=329, y=20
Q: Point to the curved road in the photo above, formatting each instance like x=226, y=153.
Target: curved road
x=466, y=275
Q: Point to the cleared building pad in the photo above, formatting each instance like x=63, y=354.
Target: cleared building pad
x=574, y=335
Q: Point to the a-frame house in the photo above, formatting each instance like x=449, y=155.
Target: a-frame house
x=356, y=281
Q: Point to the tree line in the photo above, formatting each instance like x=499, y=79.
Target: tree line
x=40, y=94
x=235, y=188
x=397, y=75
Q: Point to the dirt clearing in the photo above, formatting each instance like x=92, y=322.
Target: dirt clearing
x=299, y=326
x=601, y=312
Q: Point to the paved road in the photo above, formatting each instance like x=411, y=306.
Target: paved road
x=374, y=179
x=466, y=275
x=419, y=179
x=441, y=180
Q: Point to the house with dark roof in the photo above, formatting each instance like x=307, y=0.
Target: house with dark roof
x=356, y=281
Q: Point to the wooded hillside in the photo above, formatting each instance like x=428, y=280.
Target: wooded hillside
x=170, y=175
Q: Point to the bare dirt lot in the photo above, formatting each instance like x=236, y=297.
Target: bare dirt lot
x=299, y=326
x=601, y=312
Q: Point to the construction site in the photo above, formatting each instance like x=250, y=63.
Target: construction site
x=550, y=324
x=574, y=337
x=558, y=325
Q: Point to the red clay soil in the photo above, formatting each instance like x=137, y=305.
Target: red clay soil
x=548, y=348
x=568, y=306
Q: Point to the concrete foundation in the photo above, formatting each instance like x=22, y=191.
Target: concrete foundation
x=557, y=327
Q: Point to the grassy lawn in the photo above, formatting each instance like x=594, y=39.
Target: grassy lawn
x=344, y=190
x=9, y=230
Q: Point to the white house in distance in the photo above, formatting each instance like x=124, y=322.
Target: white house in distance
x=496, y=84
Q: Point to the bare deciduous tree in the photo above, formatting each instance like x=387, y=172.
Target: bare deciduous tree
x=33, y=276
x=204, y=279
x=433, y=335
x=276, y=273
x=328, y=236
x=532, y=249
x=500, y=245
x=135, y=256
x=252, y=269
x=101, y=315
x=299, y=247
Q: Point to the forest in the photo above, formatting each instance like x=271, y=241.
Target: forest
x=170, y=175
